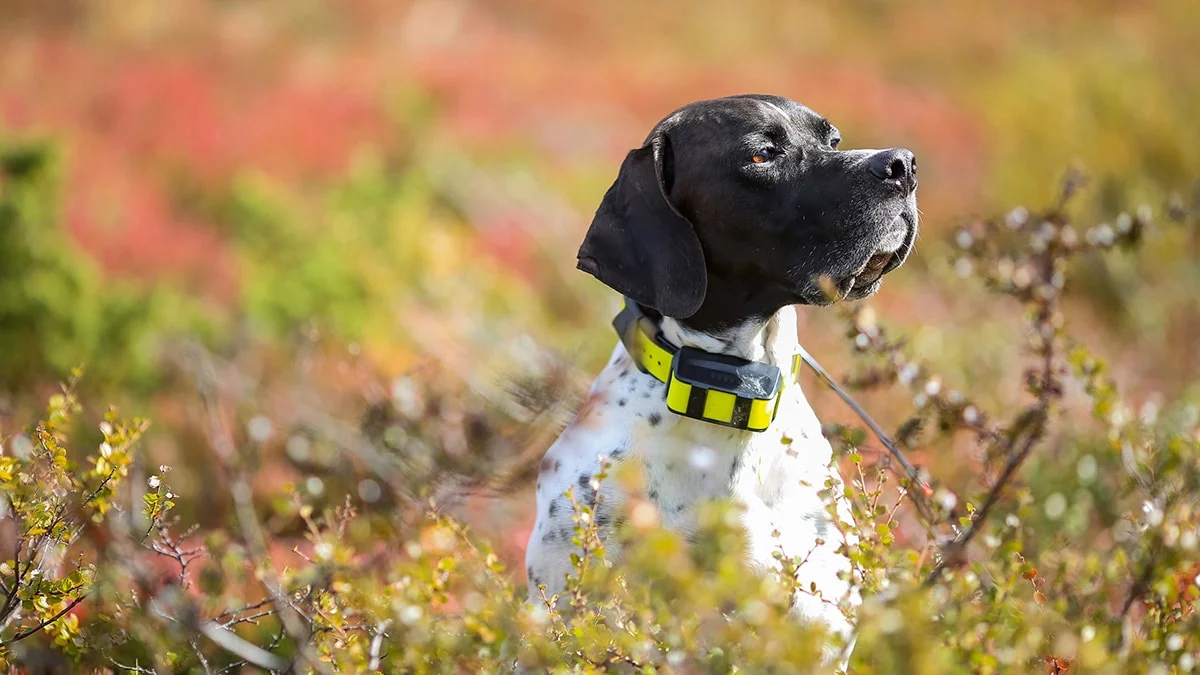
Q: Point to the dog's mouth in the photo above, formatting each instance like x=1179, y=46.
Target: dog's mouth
x=877, y=265
x=891, y=254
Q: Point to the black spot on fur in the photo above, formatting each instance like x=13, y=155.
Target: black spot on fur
x=621, y=402
x=654, y=419
x=557, y=465
x=529, y=573
x=653, y=495
x=820, y=522
x=646, y=394
x=553, y=510
x=586, y=494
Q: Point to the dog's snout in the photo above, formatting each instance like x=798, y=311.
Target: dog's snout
x=897, y=164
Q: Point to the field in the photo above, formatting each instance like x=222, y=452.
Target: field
x=326, y=250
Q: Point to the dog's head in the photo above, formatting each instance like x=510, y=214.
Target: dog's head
x=735, y=207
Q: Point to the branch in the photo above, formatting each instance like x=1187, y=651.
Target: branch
x=1034, y=424
x=376, y=645
x=247, y=608
x=133, y=669
x=954, y=550
x=31, y=631
x=9, y=606
x=1142, y=584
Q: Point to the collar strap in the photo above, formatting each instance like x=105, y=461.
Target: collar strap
x=714, y=388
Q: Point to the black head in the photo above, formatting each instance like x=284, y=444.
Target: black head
x=735, y=207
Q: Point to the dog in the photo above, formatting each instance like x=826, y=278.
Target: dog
x=732, y=211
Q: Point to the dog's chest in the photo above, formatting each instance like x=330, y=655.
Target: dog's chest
x=775, y=475
x=781, y=479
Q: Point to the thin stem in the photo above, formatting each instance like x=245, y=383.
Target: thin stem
x=31, y=631
x=884, y=438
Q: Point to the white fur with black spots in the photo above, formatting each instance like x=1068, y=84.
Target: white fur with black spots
x=778, y=486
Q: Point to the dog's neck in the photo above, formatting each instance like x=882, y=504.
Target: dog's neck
x=739, y=303
x=769, y=340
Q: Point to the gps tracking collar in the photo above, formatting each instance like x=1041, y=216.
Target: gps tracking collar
x=715, y=388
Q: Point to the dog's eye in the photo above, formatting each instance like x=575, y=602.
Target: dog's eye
x=835, y=141
x=764, y=155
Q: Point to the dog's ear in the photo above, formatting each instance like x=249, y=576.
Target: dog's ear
x=639, y=244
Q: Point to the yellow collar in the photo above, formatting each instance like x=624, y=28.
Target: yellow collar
x=715, y=388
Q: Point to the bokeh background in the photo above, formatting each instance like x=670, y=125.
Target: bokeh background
x=356, y=220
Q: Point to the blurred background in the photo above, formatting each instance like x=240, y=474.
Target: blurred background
x=350, y=225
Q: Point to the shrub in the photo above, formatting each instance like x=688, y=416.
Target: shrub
x=1072, y=548
x=48, y=501
x=54, y=311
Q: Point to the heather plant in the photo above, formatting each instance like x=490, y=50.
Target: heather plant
x=1063, y=540
x=1090, y=558
x=48, y=501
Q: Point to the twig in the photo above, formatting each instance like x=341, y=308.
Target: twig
x=237, y=665
x=959, y=543
x=1034, y=429
x=7, y=610
x=1142, y=584
x=909, y=469
x=31, y=631
x=247, y=608
x=169, y=548
x=253, y=618
x=252, y=532
x=133, y=669
x=377, y=645
x=251, y=653
x=200, y=656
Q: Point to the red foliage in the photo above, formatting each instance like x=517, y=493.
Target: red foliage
x=145, y=132
x=508, y=243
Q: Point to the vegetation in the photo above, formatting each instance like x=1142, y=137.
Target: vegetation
x=325, y=249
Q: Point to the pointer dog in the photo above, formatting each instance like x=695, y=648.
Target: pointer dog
x=732, y=211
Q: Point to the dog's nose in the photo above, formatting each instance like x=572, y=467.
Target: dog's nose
x=897, y=164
